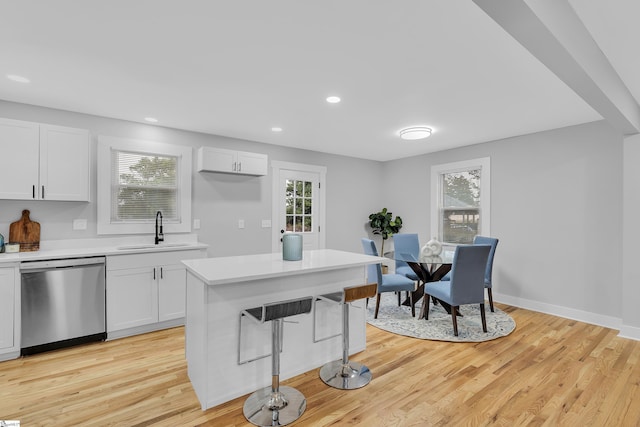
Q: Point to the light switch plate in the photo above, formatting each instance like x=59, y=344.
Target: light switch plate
x=266, y=223
x=241, y=223
x=196, y=224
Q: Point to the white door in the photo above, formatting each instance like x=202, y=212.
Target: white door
x=297, y=206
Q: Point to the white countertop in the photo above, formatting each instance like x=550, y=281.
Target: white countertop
x=222, y=270
x=75, y=248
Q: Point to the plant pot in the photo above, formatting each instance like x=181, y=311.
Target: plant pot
x=385, y=269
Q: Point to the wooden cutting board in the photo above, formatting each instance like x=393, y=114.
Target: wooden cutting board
x=25, y=232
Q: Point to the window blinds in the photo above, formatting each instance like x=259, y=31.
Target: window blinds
x=142, y=184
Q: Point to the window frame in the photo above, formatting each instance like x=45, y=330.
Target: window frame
x=184, y=166
x=484, y=164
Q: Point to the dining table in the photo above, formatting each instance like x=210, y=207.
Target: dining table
x=428, y=268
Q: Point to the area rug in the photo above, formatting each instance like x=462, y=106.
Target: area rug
x=439, y=327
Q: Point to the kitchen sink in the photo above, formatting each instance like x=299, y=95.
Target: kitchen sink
x=151, y=246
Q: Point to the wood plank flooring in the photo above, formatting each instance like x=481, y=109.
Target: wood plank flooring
x=549, y=372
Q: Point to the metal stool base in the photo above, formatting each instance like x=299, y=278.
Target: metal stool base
x=345, y=377
x=256, y=407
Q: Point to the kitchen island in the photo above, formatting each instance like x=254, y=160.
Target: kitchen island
x=224, y=364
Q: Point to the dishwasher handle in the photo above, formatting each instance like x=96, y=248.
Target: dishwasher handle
x=61, y=263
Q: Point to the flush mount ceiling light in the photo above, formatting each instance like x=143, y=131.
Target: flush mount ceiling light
x=17, y=78
x=333, y=99
x=276, y=129
x=151, y=119
x=415, y=132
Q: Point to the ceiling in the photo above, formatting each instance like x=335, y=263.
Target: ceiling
x=237, y=68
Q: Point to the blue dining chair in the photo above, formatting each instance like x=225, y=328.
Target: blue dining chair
x=466, y=283
x=386, y=282
x=406, y=243
x=481, y=240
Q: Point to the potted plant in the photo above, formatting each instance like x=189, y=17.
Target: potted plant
x=385, y=225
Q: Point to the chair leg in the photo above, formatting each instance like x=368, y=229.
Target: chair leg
x=375, y=316
x=490, y=299
x=455, y=320
x=399, y=296
x=413, y=307
x=484, y=318
x=424, y=312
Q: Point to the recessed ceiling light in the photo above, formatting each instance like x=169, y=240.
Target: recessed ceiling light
x=276, y=129
x=151, y=119
x=333, y=99
x=17, y=78
x=415, y=132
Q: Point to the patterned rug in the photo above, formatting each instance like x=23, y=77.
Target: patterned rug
x=439, y=327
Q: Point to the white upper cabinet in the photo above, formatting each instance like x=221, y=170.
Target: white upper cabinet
x=19, y=151
x=229, y=161
x=44, y=162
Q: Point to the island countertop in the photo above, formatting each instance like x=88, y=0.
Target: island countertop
x=234, y=269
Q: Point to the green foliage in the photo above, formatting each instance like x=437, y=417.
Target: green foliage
x=383, y=224
x=463, y=187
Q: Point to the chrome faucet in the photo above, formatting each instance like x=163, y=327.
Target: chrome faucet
x=159, y=233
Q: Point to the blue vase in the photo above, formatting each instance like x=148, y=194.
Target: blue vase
x=292, y=247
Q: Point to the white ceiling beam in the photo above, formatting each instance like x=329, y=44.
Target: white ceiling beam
x=553, y=33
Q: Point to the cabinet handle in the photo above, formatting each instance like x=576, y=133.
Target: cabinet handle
x=239, y=166
x=161, y=273
x=33, y=191
x=43, y=191
x=154, y=273
x=234, y=166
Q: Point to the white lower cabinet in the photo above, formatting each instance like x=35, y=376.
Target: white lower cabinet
x=146, y=292
x=9, y=303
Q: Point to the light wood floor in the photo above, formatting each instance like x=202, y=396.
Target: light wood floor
x=549, y=371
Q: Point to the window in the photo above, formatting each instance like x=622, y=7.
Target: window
x=136, y=179
x=460, y=195
x=299, y=199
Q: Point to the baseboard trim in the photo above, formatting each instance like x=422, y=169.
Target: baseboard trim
x=631, y=332
x=123, y=333
x=566, y=312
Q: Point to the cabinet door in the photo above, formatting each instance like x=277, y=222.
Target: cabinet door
x=64, y=163
x=19, y=153
x=216, y=160
x=172, y=292
x=132, y=298
x=7, y=307
x=251, y=163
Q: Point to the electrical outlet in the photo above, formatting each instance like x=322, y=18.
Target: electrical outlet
x=241, y=223
x=79, y=224
x=196, y=224
x=266, y=223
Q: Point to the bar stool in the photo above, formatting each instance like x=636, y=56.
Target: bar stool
x=344, y=374
x=276, y=405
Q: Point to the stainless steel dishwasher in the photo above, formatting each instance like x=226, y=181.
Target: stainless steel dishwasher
x=63, y=303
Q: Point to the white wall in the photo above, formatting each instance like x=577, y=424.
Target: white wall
x=556, y=205
x=219, y=200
